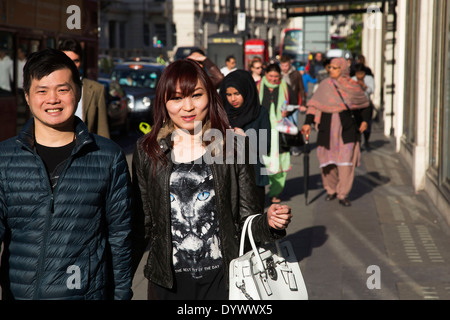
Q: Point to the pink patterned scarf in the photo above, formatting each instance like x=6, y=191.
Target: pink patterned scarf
x=326, y=98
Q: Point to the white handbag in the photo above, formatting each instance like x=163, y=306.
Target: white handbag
x=269, y=272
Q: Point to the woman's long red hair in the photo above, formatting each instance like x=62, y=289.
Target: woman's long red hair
x=186, y=73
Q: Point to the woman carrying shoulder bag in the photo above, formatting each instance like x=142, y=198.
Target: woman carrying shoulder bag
x=190, y=210
x=340, y=109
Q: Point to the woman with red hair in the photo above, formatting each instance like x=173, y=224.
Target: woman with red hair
x=340, y=110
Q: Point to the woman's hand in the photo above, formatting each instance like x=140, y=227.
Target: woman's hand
x=306, y=129
x=197, y=57
x=279, y=216
x=363, y=127
x=239, y=131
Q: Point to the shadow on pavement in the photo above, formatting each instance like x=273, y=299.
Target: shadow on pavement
x=305, y=240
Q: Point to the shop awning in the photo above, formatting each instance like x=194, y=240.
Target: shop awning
x=296, y=8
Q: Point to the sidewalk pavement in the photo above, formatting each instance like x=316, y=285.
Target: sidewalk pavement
x=391, y=237
x=391, y=244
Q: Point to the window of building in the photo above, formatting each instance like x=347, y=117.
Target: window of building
x=112, y=34
x=146, y=35
x=174, y=34
x=51, y=43
x=160, y=33
x=437, y=86
x=440, y=114
x=122, y=35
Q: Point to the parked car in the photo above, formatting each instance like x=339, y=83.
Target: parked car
x=141, y=59
x=116, y=105
x=139, y=81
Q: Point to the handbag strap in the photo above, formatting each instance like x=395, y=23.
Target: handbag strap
x=248, y=229
x=340, y=95
x=346, y=105
x=244, y=231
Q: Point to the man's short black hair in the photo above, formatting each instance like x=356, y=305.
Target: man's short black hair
x=198, y=50
x=228, y=58
x=71, y=45
x=42, y=63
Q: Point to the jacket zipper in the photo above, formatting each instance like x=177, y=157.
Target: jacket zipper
x=48, y=216
x=43, y=251
x=47, y=225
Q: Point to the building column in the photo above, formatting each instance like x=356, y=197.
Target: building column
x=423, y=108
x=373, y=50
x=400, y=73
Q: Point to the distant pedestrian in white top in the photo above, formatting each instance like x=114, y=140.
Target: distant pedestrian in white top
x=21, y=60
x=6, y=71
x=230, y=62
x=367, y=83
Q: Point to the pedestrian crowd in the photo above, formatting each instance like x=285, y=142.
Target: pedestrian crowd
x=75, y=223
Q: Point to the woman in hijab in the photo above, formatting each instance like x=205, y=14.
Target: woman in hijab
x=240, y=99
x=339, y=108
x=274, y=92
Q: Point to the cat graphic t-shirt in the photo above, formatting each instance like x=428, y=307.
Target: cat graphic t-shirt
x=197, y=259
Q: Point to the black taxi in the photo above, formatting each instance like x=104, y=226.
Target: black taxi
x=139, y=81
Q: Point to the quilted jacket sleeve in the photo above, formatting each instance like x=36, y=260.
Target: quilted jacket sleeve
x=2, y=214
x=262, y=232
x=118, y=217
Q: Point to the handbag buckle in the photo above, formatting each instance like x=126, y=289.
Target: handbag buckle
x=271, y=268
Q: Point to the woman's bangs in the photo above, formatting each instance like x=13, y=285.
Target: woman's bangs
x=186, y=79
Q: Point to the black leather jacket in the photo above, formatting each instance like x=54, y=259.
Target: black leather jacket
x=235, y=190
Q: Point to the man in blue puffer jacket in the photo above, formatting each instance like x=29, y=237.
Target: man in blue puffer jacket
x=65, y=208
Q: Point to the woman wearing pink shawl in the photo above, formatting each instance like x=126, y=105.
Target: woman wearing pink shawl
x=339, y=133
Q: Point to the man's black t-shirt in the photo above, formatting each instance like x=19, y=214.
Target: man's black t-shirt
x=54, y=159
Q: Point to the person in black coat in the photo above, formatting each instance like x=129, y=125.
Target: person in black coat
x=190, y=200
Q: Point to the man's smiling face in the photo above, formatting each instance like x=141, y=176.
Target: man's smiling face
x=52, y=99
